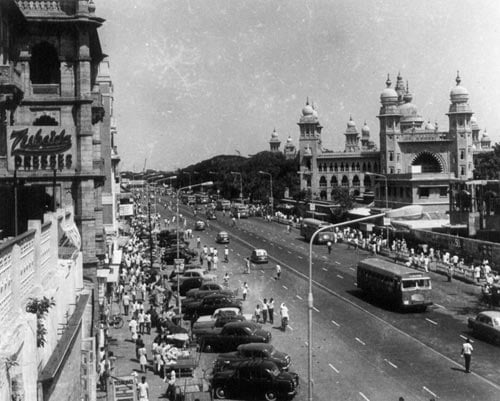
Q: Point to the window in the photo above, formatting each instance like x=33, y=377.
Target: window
x=391, y=170
x=462, y=154
x=462, y=170
x=44, y=64
x=423, y=192
x=391, y=156
x=408, y=192
x=398, y=157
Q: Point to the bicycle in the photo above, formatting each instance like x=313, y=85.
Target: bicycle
x=116, y=321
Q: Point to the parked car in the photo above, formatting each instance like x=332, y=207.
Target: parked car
x=184, y=253
x=486, y=325
x=215, y=326
x=259, y=256
x=209, y=304
x=189, y=284
x=204, y=275
x=245, y=352
x=234, y=334
x=199, y=225
x=222, y=237
x=259, y=379
x=208, y=320
x=210, y=288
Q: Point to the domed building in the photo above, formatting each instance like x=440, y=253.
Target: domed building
x=417, y=157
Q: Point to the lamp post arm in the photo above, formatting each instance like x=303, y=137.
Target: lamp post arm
x=310, y=301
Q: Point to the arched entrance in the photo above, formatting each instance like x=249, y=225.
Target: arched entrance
x=428, y=162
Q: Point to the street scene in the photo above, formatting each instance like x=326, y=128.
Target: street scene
x=249, y=200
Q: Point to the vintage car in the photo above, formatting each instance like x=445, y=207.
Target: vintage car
x=208, y=320
x=232, y=335
x=245, y=352
x=209, y=288
x=255, y=379
x=222, y=237
x=197, y=273
x=208, y=305
x=259, y=256
x=210, y=214
x=200, y=225
x=486, y=325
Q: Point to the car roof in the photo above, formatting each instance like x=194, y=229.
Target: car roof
x=216, y=295
x=243, y=323
x=223, y=233
x=490, y=313
x=256, y=346
x=200, y=270
x=257, y=251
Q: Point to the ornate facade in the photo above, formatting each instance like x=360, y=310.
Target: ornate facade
x=289, y=150
x=417, y=160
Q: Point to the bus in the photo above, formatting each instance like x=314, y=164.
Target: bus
x=202, y=198
x=239, y=209
x=309, y=226
x=188, y=199
x=223, y=204
x=398, y=285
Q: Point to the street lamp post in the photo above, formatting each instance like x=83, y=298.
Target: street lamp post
x=207, y=184
x=310, y=302
x=271, y=198
x=386, y=199
x=241, y=183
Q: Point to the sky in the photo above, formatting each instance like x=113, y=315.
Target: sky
x=198, y=78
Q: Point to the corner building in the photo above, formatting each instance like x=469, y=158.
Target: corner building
x=418, y=159
x=48, y=156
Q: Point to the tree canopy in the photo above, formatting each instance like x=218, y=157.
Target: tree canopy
x=487, y=165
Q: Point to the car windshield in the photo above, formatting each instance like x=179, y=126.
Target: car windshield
x=496, y=321
x=413, y=284
x=260, y=252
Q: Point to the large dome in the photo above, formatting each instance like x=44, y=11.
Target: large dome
x=307, y=110
x=388, y=95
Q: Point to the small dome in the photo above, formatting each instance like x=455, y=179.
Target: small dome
x=407, y=97
x=289, y=139
x=429, y=126
x=485, y=137
x=473, y=119
x=274, y=135
x=459, y=94
x=307, y=110
x=408, y=110
x=351, y=123
x=388, y=95
x=365, y=130
x=91, y=7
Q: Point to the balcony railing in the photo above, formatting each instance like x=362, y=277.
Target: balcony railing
x=425, y=137
x=45, y=89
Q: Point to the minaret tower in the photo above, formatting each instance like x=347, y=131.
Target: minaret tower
x=459, y=116
x=351, y=137
x=274, y=142
x=389, y=117
x=309, y=144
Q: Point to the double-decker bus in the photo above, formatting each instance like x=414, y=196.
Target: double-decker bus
x=398, y=285
x=309, y=226
x=202, y=198
x=239, y=209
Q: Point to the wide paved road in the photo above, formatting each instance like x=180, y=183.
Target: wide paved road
x=361, y=351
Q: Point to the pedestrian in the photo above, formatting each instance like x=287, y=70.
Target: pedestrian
x=147, y=321
x=139, y=343
x=247, y=266
x=170, y=379
x=225, y=280
x=245, y=291
x=198, y=242
x=126, y=303
x=234, y=221
x=264, y=310
x=141, y=320
x=288, y=228
x=226, y=254
x=270, y=310
x=143, y=361
x=133, y=329
x=329, y=245
x=143, y=390
x=278, y=272
x=257, y=313
x=467, y=354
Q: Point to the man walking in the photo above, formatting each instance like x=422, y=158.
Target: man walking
x=226, y=254
x=278, y=272
x=329, y=245
x=467, y=354
x=126, y=303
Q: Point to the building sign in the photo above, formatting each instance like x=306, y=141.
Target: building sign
x=41, y=148
x=127, y=209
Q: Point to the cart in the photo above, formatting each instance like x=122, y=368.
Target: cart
x=191, y=389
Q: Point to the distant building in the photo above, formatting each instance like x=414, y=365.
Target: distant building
x=289, y=150
x=417, y=159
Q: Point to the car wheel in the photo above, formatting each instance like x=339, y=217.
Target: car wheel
x=220, y=393
x=270, y=396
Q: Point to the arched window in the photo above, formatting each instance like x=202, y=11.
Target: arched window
x=364, y=167
x=367, y=182
x=322, y=181
x=45, y=120
x=341, y=166
x=355, y=181
x=345, y=181
x=320, y=167
x=369, y=167
x=335, y=167
x=353, y=167
x=357, y=167
x=44, y=64
x=322, y=195
x=331, y=167
x=334, y=182
x=375, y=168
x=428, y=162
